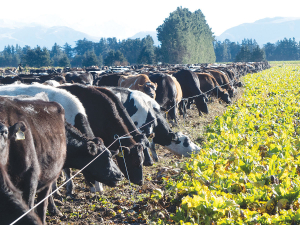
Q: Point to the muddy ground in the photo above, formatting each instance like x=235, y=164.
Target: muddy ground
x=133, y=204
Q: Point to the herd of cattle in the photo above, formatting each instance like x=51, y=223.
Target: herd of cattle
x=65, y=120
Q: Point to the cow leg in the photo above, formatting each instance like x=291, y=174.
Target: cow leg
x=70, y=184
x=57, y=194
x=148, y=160
x=41, y=208
x=99, y=187
x=52, y=209
x=184, y=102
x=153, y=151
x=30, y=187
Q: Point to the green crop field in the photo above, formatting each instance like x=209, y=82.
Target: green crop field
x=248, y=169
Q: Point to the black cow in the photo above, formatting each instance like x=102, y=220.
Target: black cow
x=106, y=123
x=80, y=77
x=166, y=93
x=190, y=86
x=12, y=205
x=108, y=80
x=137, y=136
x=80, y=152
x=33, y=146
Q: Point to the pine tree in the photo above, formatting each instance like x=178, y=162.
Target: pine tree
x=186, y=38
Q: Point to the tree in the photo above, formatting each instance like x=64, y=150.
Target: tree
x=68, y=50
x=244, y=55
x=77, y=61
x=64, y=61
x=147, y=54
x=82, y=46
x=186, y=38
x=56, y=50
x=115, y=58
x=257, y=54
x=90, y=59
x=37, y=57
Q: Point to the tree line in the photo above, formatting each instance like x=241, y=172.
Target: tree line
x=185, y=38
x=108, y=51
x=250, y=51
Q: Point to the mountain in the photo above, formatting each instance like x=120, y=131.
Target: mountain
x=264, y=30
x=34, y=35
x=143, y=34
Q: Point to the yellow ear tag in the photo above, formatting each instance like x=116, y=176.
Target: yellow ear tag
x=120, y=154
x=20, y=135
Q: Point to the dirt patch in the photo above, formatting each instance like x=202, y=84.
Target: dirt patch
x=134, y=204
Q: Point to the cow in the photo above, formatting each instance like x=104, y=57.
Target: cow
x=137, y=136
x=75, y=112
x=140, y=82
x=146, y=114
x=12, y=205
x=33, y=146
x=80, y=77
x=190, y=86
x=168, y=93
x=209, y=86
x=106, y=123
x=222, y=80
x=80, y=152
x=10, y=79
x=108, y=80
x=70, y=103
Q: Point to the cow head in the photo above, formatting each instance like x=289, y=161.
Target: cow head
x=15, y=132
x=103, y=169
x=225, y=97
x=231, y=92
x=201, y=103
x=134, y=158
x=141, y=138
x=149, y=88
x=182, y=145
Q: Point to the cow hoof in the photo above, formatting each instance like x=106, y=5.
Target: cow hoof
x=148, y=163
x=55, y=212
x=57, y=194
x=99, y=187
x=93, y=190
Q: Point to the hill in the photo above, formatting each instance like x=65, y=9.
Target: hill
x=264, y=30
x=43, y=36
x=143, y=34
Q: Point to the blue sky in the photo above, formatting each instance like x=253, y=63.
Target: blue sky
x=124, y=18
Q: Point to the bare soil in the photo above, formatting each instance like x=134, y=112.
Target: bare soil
x=133, y=204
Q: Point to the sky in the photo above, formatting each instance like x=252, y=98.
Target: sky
x=125, y=18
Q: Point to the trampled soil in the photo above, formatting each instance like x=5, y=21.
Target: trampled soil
x=133, y=204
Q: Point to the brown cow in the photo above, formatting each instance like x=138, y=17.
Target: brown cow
x=179, y=90
x=32, y=146
x=139, y=82
x=12, y=205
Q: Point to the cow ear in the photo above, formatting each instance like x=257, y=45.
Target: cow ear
x=126, y=151
x=114, y=152
x=17, y=131
x=92, y=148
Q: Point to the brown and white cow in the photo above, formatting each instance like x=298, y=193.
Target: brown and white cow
x=140, y=82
